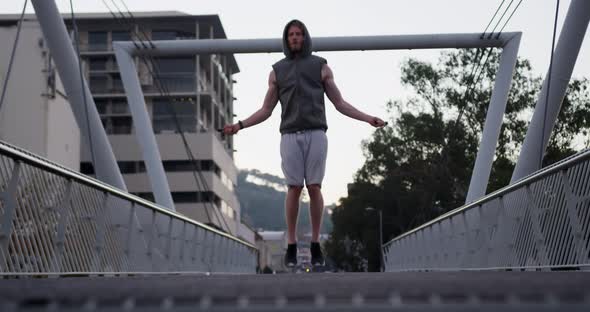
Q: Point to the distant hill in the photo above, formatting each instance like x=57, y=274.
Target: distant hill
x=262, y=197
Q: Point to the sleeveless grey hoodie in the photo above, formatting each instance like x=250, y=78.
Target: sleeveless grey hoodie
x=300, y=87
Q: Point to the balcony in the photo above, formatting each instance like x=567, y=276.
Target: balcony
x=173, y=82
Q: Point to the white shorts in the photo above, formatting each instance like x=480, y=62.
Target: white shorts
x=303, y=157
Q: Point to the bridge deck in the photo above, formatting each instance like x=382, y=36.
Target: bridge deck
x=316, y=291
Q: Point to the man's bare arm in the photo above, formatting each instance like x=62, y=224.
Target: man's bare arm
x=341, y=105
x=270, y=101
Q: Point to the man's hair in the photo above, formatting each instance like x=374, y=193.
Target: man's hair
x=297, y=23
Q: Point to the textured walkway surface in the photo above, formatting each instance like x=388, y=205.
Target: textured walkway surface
x=427, y=291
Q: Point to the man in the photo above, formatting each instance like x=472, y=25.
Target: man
x=299, y=82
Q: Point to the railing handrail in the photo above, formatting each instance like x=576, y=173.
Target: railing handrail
x=558, y=166
x=50, y=166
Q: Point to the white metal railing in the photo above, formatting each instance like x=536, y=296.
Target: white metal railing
x=540, y=222
x=55, y=220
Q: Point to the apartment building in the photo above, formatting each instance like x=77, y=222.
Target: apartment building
x=193, y=94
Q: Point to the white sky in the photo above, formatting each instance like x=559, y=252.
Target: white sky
x=367, y=79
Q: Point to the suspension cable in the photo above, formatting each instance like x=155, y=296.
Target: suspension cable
x=509, y=17
x=492, y=19
x=542, y=149
x=501, y=17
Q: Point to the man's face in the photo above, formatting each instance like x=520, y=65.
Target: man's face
x=295, y=38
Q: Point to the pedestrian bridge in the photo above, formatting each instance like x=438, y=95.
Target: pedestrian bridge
x=62, y=247
x=69, y=242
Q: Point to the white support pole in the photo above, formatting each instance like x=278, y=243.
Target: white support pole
x=359, y=43
x=143, y=128
x=66, y=61
x=564, y=59
x=491, y=130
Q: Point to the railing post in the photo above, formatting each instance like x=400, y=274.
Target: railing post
x=572, y=216
x=130, y=230
x=481, y=237
x=195, y=245
x=204, y=249
x=533, y=208
x=64, y=213
x=236, y=257
x=181, y=264
x=101, y=224
x=465, y=240
x=153, y=233
x=168, y=246
x=213, y=254
x=8, y=198
x=493, y=232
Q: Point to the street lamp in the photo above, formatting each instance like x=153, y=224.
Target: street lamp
x=381, y=260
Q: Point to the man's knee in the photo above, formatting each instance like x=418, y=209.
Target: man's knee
x=314, y=189
x=295, y=188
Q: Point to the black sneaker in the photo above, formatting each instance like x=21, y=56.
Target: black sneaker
x=291, y=255
x=317, y=257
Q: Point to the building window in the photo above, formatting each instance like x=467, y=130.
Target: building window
x=130, y=167
x=97, y=40
x=225, y=180
x=116, y=106
x=119, y=106
x=181, y=197
x=185, y=197
x=86, y=168
x=99, y=83
x=181, y=165
x=176, y=74
x=120, y=125
x=117, y=84
x=175, y=65
x=120, y=36
x=171, y=35
x=101, y=105
x=98, y=63
x=207, y=165
x=163, y=35
x=192, y=197
x=227, y=210
x=127, y=166
x=167, y=113
x=146, y=195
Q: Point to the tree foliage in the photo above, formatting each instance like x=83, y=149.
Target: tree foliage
x=420, y=166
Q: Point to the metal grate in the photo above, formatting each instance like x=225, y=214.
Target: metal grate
x=539, y=222
x=57, y=220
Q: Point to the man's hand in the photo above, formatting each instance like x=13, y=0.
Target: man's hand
x=231, y=129
x=376, y=122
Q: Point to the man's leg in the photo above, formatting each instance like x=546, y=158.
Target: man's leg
x=316, y=210
x=292, y=211
x=315, y=168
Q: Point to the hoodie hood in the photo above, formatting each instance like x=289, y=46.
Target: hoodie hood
x=305, y=48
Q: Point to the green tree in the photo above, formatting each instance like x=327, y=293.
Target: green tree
x=420, y=166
